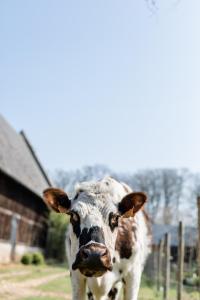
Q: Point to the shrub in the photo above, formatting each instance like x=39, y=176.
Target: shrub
x=193, y=280
x=38, y=259
x=55, y=248
x=27, y=259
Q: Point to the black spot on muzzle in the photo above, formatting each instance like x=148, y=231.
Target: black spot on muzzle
x=93, y=258
x=93, y=233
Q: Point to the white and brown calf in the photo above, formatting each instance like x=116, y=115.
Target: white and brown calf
x=108, y=238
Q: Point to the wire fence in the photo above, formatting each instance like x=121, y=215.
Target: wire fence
x=175, y=271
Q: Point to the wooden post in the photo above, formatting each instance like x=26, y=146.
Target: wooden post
x=13, y=235
x=180, y=261
x=167, y=267
x=159, y=268
x=155, y=264
x=191, y=255
x=198, y=248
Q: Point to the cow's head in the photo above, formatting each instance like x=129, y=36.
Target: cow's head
x=94, y=215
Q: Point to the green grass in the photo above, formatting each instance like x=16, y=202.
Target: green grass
x=147, y=292
x=150, y=293
x=34, y=272
x=60, y=285
x=57, y=289
x=43, y=298
x=148, y=289
x=5, y=269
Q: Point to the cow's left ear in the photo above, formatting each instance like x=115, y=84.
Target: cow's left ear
x=131, y=204
x=57, y=199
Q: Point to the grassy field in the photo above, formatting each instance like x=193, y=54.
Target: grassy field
x=53, y=283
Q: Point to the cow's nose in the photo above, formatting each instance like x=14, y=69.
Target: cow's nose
x=93, y=253
x=93, y=260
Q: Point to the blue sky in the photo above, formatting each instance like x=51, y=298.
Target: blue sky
x=108, y=82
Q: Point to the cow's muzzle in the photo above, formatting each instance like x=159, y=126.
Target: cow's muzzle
x=93, y=260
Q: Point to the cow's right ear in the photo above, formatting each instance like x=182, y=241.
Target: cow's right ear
x=131, y=204
x=57, y=200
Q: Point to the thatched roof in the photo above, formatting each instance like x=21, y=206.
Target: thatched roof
x=18, y=159
x=190, y=234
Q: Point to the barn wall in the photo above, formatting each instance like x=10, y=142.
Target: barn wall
x=16, y=197
x=30, y=212
x=5, y=250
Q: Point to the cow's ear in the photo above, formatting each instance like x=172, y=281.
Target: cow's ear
x=131, y=204
x=57, y=200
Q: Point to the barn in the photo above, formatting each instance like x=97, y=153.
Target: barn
x=23, y=214
x=190, y=246
x=190, y=240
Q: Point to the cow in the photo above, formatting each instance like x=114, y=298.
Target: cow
x=108, y=238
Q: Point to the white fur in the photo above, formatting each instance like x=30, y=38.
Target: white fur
x=95, y=202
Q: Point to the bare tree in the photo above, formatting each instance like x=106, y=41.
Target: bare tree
x=165, y=189
x=196, y=188
x=170, y=191
x=68, y=179
x=149, y=181
x=62, y=178
x=173, y=181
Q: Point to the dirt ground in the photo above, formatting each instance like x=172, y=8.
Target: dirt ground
x=19, y=282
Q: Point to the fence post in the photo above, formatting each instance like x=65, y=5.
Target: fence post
x=198, y=249
x=180, y=261
x=155, y=252
x=191, y=255
x=160, y=259
x=13, y=235
x=167, y=267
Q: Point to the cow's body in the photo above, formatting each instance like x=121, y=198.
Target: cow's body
x=130, y=252
x=121, y=246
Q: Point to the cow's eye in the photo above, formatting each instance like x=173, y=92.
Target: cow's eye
x=74, y=217
x=113, y=220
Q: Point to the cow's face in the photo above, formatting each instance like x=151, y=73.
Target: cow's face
x=94, y=215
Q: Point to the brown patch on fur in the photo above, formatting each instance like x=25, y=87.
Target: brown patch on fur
x=125, y=238
x=113, y=220
x=127, y=234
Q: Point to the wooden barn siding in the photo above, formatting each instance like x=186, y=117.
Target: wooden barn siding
x=5, y=226
x=32, y=226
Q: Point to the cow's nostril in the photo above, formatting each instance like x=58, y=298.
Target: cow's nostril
x=104, y=253
x=85, y=253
